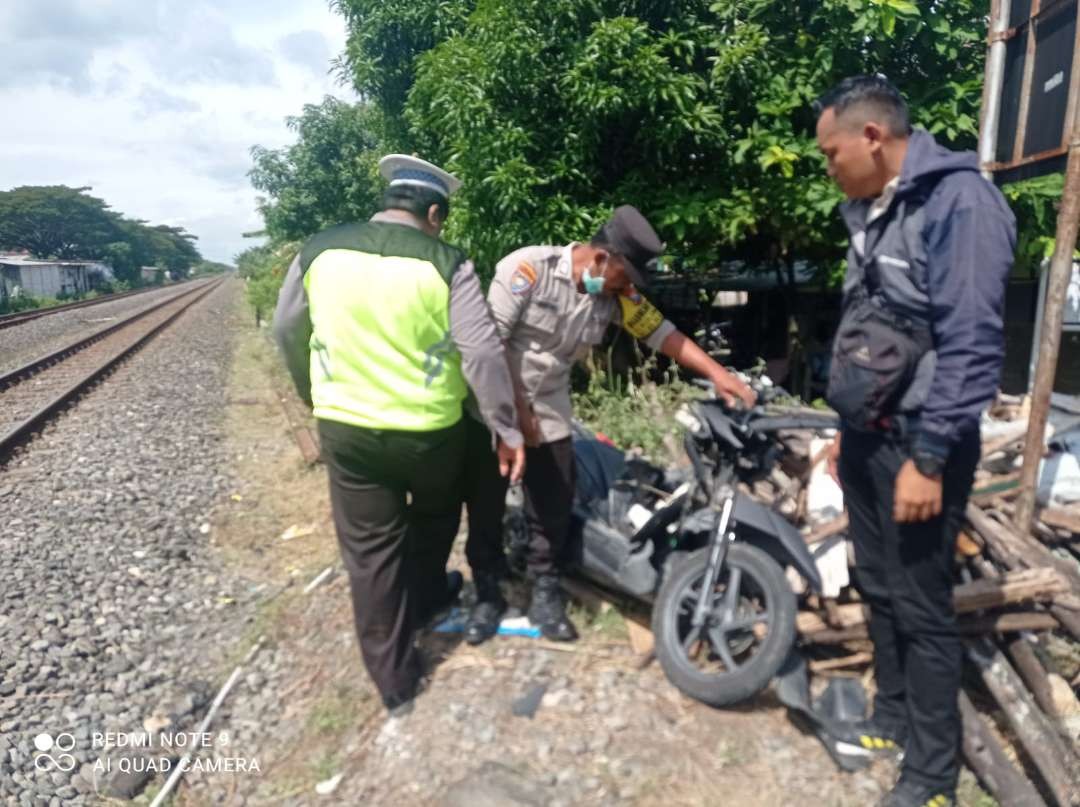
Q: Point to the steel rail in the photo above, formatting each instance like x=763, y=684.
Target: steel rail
x=35, y=421
x=12, y=377
x=19, y=317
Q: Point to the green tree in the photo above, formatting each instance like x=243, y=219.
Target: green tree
x=56, y=222
x=263, y=270
x=697, y=111
x=330, y=175
x=70, y=224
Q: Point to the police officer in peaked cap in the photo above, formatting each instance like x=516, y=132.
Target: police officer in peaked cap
x=552, y=305
x=384, y=328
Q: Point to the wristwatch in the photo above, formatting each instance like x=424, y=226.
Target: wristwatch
x=929, y=464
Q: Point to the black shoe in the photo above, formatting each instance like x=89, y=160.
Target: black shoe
x=401, y=703
x=875, y=736
x=486, y=614
x=908, y=794
x=429, y=608
x=548, y=612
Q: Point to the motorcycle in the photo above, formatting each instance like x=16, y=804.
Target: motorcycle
x=707, y=557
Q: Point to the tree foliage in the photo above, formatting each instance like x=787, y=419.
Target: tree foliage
x=263, y=269
x=698, y=111
x=328, y=176
x=69, y=224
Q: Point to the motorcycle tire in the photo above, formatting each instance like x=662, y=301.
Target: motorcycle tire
x=723, y=688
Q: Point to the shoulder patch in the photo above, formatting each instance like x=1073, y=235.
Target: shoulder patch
x=523, y=279
x=639, y=317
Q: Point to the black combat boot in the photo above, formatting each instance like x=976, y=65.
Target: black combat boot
x=486, y=614
x=548, y=612
x=909, y=794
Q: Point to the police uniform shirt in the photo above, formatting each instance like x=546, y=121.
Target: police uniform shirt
x=547, y=324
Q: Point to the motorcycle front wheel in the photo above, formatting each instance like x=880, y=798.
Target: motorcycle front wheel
x=748, y=631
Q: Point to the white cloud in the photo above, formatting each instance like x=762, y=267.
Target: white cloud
x=308, y=49
x=156, y=103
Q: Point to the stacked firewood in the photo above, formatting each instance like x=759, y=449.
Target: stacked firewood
x=1018, y=601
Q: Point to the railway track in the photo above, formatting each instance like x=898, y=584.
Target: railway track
x=33, y=394
x=10, y=320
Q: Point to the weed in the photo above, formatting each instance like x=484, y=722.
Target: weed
x=324, y=766
x=633, y=410
x=333, y=713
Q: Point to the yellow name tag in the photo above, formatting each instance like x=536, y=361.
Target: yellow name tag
x=640, y=318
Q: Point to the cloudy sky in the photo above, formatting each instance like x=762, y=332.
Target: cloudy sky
x=156, y=103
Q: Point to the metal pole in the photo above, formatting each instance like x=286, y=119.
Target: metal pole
x=1050, y=336
x=995, y=79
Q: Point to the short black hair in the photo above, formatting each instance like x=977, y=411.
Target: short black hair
x=416, y=200
x=875, y=95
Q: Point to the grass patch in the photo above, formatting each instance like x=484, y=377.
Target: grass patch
x=969, y=794
x=604, y=622
x=325, y=766
x=334, y=712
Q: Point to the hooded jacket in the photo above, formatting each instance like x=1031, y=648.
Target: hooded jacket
x=940, y=254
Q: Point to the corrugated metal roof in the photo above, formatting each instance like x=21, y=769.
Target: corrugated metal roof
x=22, y=260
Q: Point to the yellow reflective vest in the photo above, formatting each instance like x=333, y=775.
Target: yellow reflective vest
x=381, y=352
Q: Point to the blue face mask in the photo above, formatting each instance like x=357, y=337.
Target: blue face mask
x=594, y=285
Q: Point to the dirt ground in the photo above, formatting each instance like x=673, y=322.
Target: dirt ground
x=605, y=733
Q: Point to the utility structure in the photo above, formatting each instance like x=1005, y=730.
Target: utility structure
x=1031, y=127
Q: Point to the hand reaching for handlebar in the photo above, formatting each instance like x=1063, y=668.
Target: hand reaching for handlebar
x=731, y=390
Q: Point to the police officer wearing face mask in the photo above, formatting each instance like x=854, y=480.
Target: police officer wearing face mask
x=552, y=305
x=383, y=325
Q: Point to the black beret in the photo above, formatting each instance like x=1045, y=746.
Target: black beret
x=629, y=234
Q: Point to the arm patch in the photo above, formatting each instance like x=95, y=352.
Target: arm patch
x=523, y=279
x=640, y=318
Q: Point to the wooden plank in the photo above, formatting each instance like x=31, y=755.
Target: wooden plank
x=1003, y=623
x=1036, y=585
x=985, y=756
x=1056, y=762
x=1028, y=585
x=854, y=660
x=1061, y=519
x=1034, y=674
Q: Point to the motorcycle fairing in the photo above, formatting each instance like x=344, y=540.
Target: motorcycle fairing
x=769, y=523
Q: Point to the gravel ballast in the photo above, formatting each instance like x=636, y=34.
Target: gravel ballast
x=20, y=344
x=114, y=613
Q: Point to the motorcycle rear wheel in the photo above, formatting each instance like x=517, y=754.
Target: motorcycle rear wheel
x=749, y=629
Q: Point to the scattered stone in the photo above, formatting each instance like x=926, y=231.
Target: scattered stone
x=325, y=788
x=527, y=704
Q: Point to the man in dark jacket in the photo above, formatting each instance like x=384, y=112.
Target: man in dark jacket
x=932, y=245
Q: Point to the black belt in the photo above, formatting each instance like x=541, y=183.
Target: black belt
x=897, y=425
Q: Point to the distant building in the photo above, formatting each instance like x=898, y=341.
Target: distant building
x=20, y=274
x=152, y=274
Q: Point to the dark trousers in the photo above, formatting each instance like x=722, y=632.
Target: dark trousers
x=905, y=574
x=550, y=474
x=485, y=501
x=396, y=500
x=549, y=497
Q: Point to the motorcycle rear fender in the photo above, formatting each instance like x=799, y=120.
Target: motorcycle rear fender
x=774, y=534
